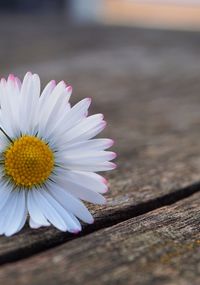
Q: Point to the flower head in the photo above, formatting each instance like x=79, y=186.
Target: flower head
x=49, y=158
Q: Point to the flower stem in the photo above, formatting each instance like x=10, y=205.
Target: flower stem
x=6, y=135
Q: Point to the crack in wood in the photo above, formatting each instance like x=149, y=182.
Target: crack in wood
x=108, y=220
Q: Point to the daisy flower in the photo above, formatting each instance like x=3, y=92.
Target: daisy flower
x=49, y=158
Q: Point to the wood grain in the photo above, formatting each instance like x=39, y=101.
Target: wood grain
x=160, y=247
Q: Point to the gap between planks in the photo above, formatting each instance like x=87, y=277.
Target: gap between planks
x=110, y=220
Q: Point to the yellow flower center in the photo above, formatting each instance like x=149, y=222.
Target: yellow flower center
x=28, y=161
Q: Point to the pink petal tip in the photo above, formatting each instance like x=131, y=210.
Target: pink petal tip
x=11, y=77
x=64, y=83
x=114, y=166
x=111, y=142
x=114, y=155
x=69, y=88
x=76, y=232
x=104, y=124
x=105, y=181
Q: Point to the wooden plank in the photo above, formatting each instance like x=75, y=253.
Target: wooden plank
x=147, y=84
x=161, y=247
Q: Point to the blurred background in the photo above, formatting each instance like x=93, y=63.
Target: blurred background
x=128, y=48
x=184, y=14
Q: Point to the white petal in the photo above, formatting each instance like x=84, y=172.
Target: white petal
x=33, y=224
x=88, y=158
x=9, y=108
x=46, y=92
x=34, y=210
x=69, y=120
x=49, y=209
x=4, y=142
x=58, y=109
x=2, y=173
x=85, y=129
x=29, y=103
x=25, y=214
x=88, y=180
x=34, y=114
x=71, y=226
x=5, y=191
x=14, y=223
x=76, y=221
x=26, y=88
x=70, y=203
x=7, y=212
x=18, y=83
x=79, y=191
x=96, y=167
x=88, y=145
x=50, y=95
x=58, y=90
x=55, y=101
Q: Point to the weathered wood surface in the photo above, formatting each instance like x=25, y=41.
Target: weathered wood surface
x=147, y=85
x=160, y=247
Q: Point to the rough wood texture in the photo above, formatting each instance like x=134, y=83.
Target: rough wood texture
x=147, y=85
x=160, y=247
